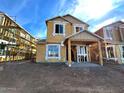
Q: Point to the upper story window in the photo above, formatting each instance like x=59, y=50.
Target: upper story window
x=59, y=29
x=122, y=32
x=108, y=33
x=78, y=28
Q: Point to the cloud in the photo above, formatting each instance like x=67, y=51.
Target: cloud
x=40, y=34
x=122, y=20
x=104, y=23
x=93, y=9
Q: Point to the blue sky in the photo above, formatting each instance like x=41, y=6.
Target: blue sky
x=31, y=14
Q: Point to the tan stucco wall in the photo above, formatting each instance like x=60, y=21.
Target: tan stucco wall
x=69, y=30
x=41, y=54
x=74, y=21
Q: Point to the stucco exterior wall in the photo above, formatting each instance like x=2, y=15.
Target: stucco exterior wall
x=41, y=54
x=57, y=38
x=69, y=30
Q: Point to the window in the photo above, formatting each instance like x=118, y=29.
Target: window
x=59, y=29
x=110, y=52
x=78, y=29
x=108, y=33
x=53, y=51
x=122, y=33
x=2, y=49
x=82, y=50
x=122, y=51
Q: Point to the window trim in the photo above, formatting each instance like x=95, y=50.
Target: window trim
x=47, y=57
x=105, y=34
x=121, y=51
x=58, y=23
x=77, y=25
x=113, y=51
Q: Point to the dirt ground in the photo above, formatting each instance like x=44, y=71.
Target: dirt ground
x=58, y=78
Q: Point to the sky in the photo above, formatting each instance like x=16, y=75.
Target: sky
x=31, y=14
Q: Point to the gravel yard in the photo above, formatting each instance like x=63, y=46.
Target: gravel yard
x=58, y=78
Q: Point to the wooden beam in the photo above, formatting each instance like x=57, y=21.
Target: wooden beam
x=100, y=53
x=9, y=27
x=69, y=53
x=89, y=53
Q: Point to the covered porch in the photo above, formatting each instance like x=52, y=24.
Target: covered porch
x=84, y=47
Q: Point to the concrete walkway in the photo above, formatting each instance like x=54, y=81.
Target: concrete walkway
x=85, y=64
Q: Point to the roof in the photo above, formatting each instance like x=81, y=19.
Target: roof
x=66, y=19
x=111, y=24
x=97, y=36
x=57, y=17
x=42, y=41
x=76, y=19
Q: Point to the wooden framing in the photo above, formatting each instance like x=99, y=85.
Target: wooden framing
x=100, y=53
x=80, y=41
x=116, y=39
x=69, y=52
x=19, y=44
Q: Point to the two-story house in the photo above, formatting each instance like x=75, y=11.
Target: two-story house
x=68, y=40
x=113, y=45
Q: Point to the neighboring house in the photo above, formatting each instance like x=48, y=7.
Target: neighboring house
x=68, y=40
x=113, y=45
x=15, y=42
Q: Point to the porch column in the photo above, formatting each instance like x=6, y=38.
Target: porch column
x=89, y=54
x=69, y=53
x=100, y=53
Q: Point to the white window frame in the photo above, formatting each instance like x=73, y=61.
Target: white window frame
x=105, y=33
x=77, y=25
x=59, y=51
x=84, y=54
x=58, y=23
x=121, y=51
x=113, y=51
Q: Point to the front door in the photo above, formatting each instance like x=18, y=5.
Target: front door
x=82, y=53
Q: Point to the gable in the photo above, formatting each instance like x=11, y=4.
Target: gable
x=57, y=19
x=84, y=36
x=74, y=20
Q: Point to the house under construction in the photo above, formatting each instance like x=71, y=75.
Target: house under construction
x=15, y=42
